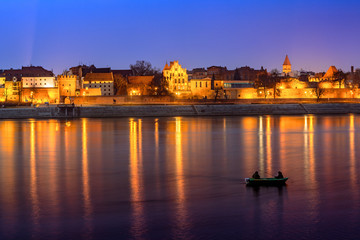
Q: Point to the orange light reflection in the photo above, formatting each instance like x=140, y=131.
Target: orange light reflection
x=86, y=183
x=181, y=212
x=138, y=227
x=33, y=180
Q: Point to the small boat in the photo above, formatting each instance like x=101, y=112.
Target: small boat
x=265, y=181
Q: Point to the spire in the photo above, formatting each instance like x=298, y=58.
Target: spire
x=287, y=61
x=167, y=67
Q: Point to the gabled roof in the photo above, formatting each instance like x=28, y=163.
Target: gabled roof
x=99, y=77
x=29, y=72
x=330, y=72
x=287, y=61
x=140, y=79
x=167, y=67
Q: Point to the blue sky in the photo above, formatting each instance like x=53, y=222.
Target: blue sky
x=58, y=34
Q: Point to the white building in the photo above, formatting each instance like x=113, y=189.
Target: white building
x=103, y=81
x=38, y=82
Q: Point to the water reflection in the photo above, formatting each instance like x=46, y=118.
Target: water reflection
x=9, y=205
x=53, y=171
x=85, y=181
x=138, y=224
x=261, y=146
x=33, y=181
x=182, y=224
x=352, y=157
x=310, y=167
x=268, y=145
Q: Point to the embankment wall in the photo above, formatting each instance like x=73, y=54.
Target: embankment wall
x=68, y=111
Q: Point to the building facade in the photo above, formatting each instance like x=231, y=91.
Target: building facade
x=103, y=81
x=177, y=78
x=67, y=85
x=38, y=82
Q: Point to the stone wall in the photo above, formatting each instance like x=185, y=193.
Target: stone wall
x=69, y=111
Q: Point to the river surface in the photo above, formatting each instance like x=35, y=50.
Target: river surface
x=180, y=178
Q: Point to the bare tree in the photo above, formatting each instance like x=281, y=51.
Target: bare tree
x=318, y=91
x=340, y=77
x=143, y=68
x=120, y=84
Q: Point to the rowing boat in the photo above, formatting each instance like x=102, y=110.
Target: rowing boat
x=265, y=181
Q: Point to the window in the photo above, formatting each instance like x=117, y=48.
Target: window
x=200, y=84
x=44, y=83
x=206, y=84
x=196, y=84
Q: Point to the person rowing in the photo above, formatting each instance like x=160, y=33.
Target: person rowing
x=280, y=175
x=256, y=175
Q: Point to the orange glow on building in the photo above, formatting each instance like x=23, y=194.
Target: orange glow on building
x=177, y=78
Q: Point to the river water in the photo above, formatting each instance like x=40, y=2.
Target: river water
x=180, y=178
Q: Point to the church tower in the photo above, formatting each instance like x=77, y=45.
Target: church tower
x=287, y=65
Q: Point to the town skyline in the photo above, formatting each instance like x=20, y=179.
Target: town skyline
x=160, y=68
x=58, y=35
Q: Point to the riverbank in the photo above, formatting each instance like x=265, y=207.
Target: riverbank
x=69, y=111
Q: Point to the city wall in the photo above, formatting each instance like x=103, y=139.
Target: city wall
x=69, y=111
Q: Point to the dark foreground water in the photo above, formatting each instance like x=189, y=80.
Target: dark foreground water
x=180, y=178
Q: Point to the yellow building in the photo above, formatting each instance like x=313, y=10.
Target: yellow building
x=2, y=81
x=287, y=66
x=67, y=85
x=177, y=78
x=10, y=91
x=201, y=88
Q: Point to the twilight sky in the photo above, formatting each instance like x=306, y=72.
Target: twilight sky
x=59, y=34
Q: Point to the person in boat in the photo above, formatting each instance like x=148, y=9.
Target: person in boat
x=256, y=175
x=280, y=175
